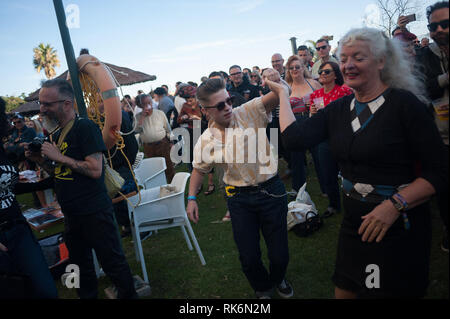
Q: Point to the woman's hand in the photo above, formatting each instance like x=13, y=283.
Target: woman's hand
x=378, y=221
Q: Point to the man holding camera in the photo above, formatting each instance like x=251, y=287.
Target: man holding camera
x=75, y=160
x=20, y=136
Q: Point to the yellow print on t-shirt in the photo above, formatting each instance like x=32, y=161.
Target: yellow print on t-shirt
x=63, y=172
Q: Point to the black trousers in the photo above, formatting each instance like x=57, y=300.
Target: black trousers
x=98, y=231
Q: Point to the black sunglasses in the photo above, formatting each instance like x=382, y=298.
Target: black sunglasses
x=323, y=47
x=325, y=71
x=296, y=67
x=433, y=26
x=221, y=105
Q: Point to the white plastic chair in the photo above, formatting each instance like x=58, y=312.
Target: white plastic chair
x=151, y=172
x=155, y=213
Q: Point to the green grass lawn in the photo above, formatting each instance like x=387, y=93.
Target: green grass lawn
x=176, y=272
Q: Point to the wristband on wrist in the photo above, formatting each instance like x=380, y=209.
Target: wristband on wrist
x=401, y=200
x=192, y=198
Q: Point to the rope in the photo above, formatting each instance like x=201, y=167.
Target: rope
x=91, y=97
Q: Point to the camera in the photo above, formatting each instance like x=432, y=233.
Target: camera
x=36, y=145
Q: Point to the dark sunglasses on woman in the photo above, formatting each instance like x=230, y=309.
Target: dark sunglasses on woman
x=221, y=105
x=325, y=71
x=433, y=26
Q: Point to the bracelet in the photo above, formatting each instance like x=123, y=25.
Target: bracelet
x=401, y=200
x=192, y=198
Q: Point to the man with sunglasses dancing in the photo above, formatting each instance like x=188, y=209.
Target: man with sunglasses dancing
x=323, y=50
x=434, y=59
x=256, y=198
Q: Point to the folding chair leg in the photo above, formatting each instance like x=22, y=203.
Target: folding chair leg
x=141, y=257
x=194, y=240
x=188, y=242
x=136, y=251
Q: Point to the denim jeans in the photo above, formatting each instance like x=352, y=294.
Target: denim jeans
x=298, y=164
x=25, y=257
x=252, y=212
x=98, y=231
x=330, y=173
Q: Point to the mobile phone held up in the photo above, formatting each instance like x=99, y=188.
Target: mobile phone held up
x=411, y=17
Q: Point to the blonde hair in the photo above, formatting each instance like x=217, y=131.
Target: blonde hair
x=306, y=73
x=398, y=71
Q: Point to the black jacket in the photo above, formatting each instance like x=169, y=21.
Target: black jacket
x=245, y=86
x=430, y=65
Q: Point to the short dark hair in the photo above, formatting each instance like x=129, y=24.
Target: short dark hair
x=84, y=51
x=339, y=78
x=436, y=6
x=234, y=66
x=302, y=48
x=215, y=73
x=65, y=90
x=208, y=88
x=323, y=40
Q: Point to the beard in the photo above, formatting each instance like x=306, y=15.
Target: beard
x=49, y=124
x=441, y=38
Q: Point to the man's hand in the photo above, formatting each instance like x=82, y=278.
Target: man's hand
x=51, y=151
x=402, y=22
x=192, y=210
x=33, y=156
x=271, y=75
x=3, y=248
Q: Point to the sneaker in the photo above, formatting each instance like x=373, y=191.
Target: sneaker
x=145, y=235
x=329, y=212
x=285, y=289
x=264, y=294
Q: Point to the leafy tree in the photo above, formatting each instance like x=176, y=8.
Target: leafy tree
x=12, y=102
x=45, y=58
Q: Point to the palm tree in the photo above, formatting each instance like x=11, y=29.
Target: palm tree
x=45, y=58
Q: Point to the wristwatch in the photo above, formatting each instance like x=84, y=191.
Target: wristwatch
x=398, y=206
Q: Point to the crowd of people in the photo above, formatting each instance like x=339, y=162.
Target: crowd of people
x=374, y=113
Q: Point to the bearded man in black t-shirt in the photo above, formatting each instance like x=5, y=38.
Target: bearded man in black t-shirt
x=76, y=162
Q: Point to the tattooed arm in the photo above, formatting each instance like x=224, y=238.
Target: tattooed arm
x=91, y=166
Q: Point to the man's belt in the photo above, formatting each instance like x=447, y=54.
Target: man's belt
x=233, y=190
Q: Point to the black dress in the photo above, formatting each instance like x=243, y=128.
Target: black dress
x=386, y=151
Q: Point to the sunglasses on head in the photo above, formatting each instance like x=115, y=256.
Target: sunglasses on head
x=323, y=47
x=221, y=105
x=326, y=72
x=433, y=26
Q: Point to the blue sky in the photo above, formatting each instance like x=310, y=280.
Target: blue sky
x=174, y=40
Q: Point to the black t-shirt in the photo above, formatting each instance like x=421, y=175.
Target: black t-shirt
x=9, y=176
x=79, y=194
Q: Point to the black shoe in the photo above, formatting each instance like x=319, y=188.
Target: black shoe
x=264, y=294
x=329, y=212
x=285, y=289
